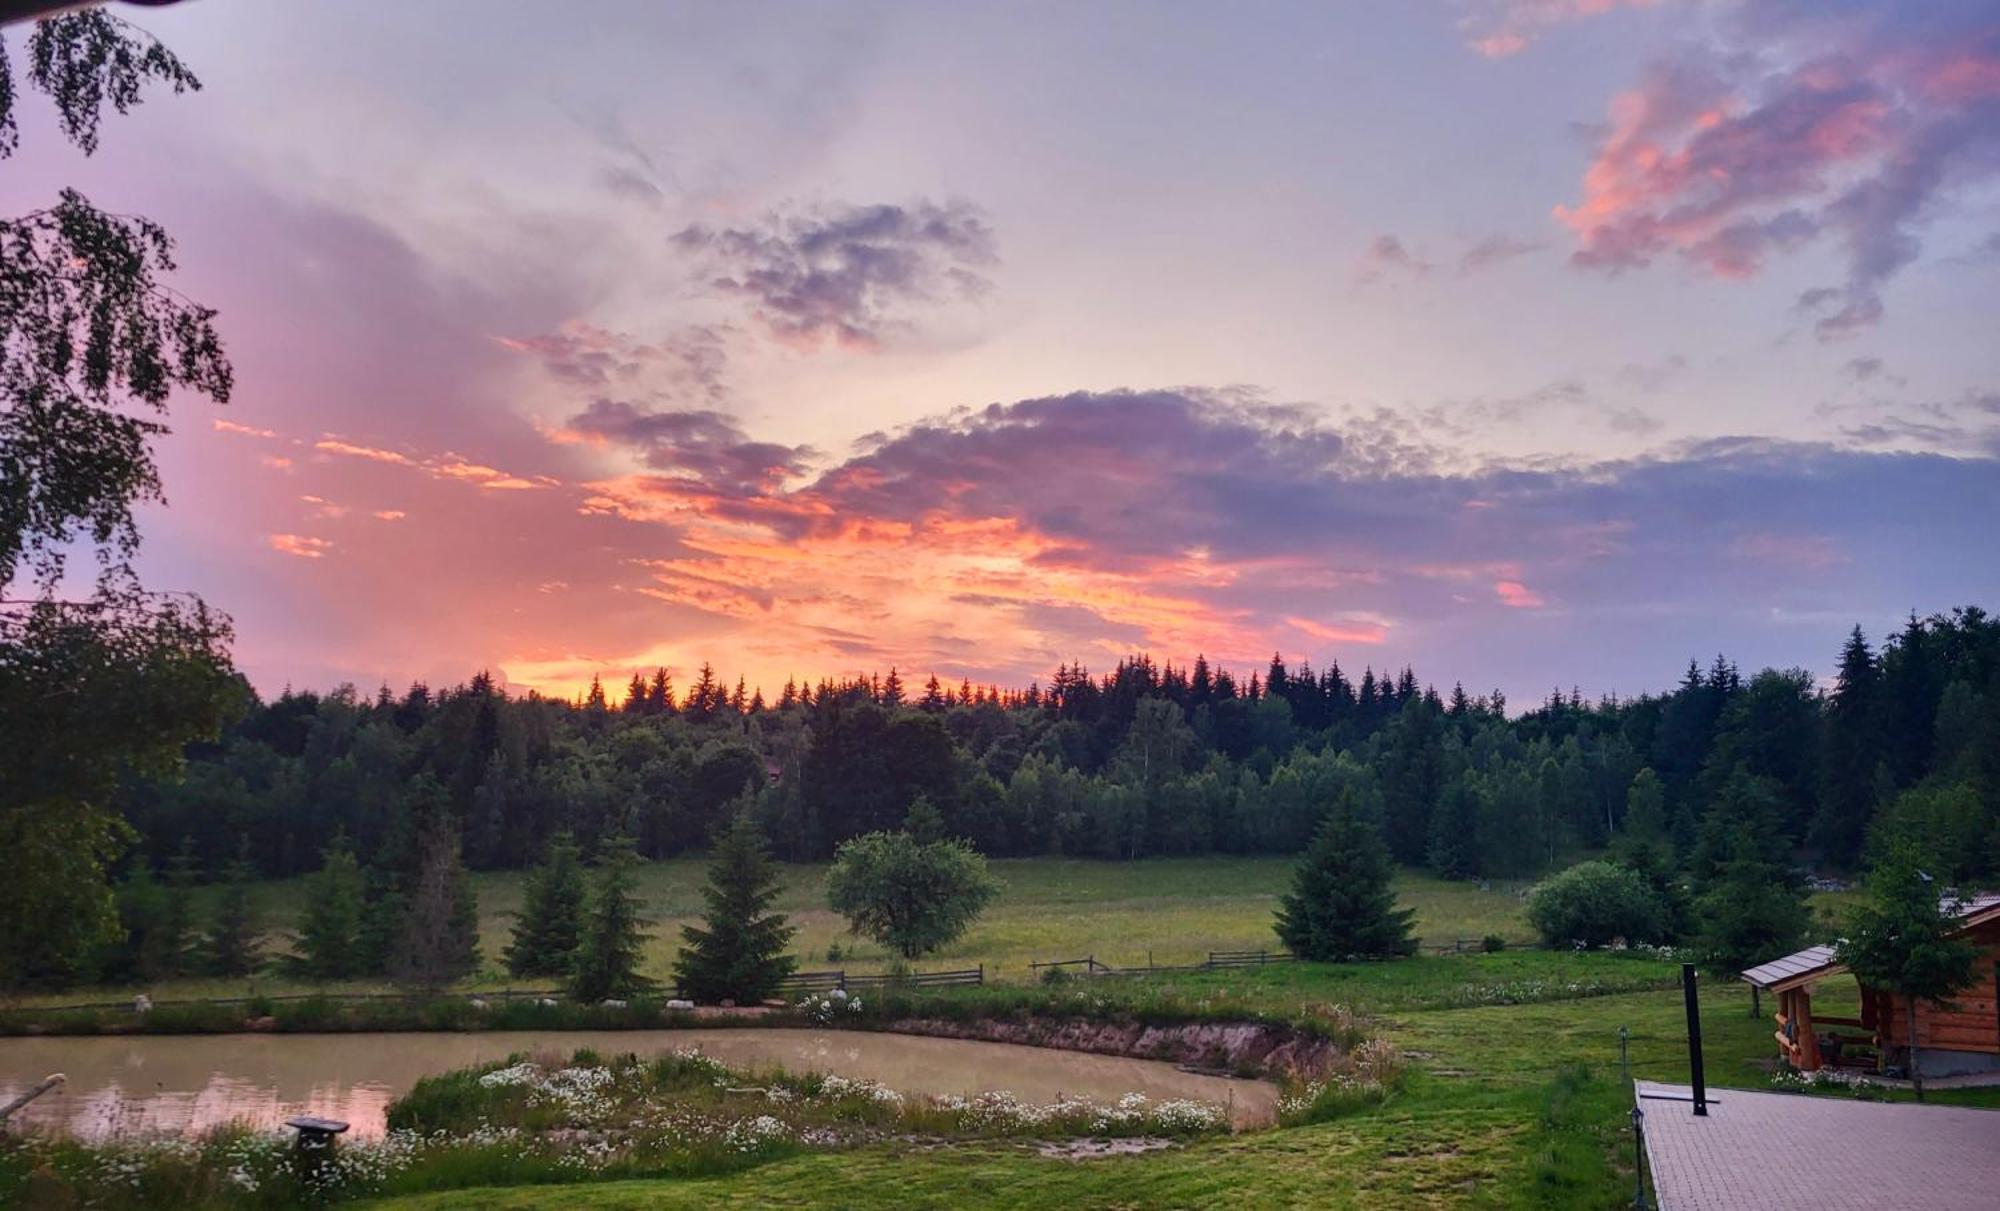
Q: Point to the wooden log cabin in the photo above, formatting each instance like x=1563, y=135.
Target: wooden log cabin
x=1959, y=1036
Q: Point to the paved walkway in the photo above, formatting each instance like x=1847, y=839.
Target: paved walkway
x=1780, y=1151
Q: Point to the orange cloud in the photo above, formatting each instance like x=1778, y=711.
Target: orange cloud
x=390, y=515
x=1369, y=632
x=333, y=445
x=230, y=426
x=300, y=545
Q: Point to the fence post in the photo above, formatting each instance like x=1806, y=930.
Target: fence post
x=1638, y=1157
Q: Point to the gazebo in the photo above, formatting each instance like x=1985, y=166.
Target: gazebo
x=1962, y=1035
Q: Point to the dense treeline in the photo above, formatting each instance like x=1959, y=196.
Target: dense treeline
x=1144, y=760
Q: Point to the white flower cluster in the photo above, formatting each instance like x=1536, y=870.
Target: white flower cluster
x=1003, y=1111
x=823, y=1009
x=1827, y=1078
x=582, y=1094
x=748, y=1135
x=834, y=1088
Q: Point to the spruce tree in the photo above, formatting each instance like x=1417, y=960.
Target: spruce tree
x=1902, y=939
x=546, y=932
x=1753, y=910
x=328, y=941
x=1341, y=905
x=1851, y=749
x=439, y=940
x=740, y=953
x=608, y=952
x=171, y=951
x=231, y=947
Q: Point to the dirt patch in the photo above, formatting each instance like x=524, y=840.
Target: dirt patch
x=1095, y=1149
x=1235, y=1048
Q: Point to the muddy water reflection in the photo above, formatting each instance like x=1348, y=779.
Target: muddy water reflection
x=191, y=1082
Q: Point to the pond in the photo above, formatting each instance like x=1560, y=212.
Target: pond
x=124, y=1084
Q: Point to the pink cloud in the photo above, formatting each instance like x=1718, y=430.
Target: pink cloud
x=1804, y=123
x=1500, y=28
x=1802, y=552
x=1515, y=595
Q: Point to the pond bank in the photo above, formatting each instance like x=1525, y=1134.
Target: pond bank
x=138, y=1083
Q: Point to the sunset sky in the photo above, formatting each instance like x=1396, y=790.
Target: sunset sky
x=1529, y=342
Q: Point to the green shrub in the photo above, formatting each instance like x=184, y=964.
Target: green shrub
x=1493, y=943
x=1593, y=903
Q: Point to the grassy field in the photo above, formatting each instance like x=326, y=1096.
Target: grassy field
x=1171, y=910
x=1508, y=1105
x=1514, y=1096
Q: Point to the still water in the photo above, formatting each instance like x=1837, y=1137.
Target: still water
x=145, y=1083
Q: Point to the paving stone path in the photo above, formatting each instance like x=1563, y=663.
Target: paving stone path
x=1779, y=1151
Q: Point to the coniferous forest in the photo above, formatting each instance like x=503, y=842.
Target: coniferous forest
x=1144, y=760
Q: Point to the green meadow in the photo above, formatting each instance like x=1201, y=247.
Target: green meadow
x=1168, y=910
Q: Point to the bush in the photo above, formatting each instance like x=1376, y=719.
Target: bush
x=1593, y=903
x=1493, y=943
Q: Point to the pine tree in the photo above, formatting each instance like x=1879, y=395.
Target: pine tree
x=439, y=942
x=328, y=940
x=171, y=951
x=608, y=951
x=739, y=952
x=1341, y=906
x=1851, y=750
x=232, y=947
x=551, y=920
x=1644, y=846
x=1454, y=847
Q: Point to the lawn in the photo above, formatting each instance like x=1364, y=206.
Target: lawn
x=1171, y=910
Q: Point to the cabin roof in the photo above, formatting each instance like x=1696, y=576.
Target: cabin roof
x=1818, y=962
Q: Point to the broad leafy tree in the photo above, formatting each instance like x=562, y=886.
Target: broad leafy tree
x=93, y=342
x=911, y=896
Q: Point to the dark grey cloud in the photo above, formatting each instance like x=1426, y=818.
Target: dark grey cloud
x=686, y=365
x=1387, y=256
x=1495, y=250
x=847, y=274
x=1652, y=376
x=706, y=446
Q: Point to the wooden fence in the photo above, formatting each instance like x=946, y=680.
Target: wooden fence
x=827, y=981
